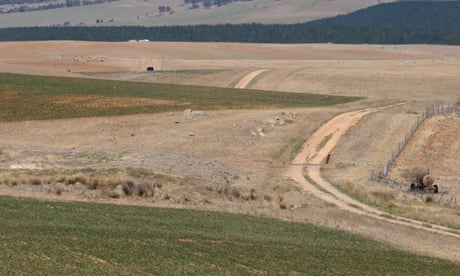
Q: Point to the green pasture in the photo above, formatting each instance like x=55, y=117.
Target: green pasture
x=53, y=238
x=25, y=97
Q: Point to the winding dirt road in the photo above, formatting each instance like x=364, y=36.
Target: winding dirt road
x=315, y=151
x=244, y=82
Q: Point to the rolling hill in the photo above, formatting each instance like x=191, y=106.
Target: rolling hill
x=415, y=15
x=174, y=12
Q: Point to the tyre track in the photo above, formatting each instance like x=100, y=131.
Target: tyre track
x=313, y=153
x=244, y=82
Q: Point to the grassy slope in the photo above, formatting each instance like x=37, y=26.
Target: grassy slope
x=133, y=12
x=25, y=97
x=39, y=237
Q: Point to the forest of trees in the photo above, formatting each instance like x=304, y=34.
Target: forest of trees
x=255, y=33
x=426, y=15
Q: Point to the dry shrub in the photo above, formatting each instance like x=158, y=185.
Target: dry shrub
x=252, y=194
x=94, y=183
x=428, y=198
x=246, y=196
x=114, y=182
x=70, y=181
x=283, y=206
x=81, y=179
x=157, y=183
x=236, y=193
x=206, y=201
x=113, y=192
x=267, y=198
x=35, y=181
x=145, y=189
x=128, y=187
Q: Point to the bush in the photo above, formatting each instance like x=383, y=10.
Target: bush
x=128, y=187
x=145, y=189
x=35, y=181
x=236, y=193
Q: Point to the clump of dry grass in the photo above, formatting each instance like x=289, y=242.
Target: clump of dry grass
x=252, y=194
x=236, y=193
x=145, y=189
x=428, y=198
x=206, y=201
x=35, y=181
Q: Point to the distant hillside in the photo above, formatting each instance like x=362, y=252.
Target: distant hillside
x=397, y=23
x=28, y=13
x=415, y=15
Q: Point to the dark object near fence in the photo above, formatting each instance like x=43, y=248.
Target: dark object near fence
x=423, y=181
x=150, y=69
x=427, y=189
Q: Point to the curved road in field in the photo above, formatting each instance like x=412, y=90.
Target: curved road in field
x=244, y=82
x=312, y=153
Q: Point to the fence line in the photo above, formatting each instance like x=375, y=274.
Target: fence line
x=442, y=199
x=382, y=175
x=431, y=110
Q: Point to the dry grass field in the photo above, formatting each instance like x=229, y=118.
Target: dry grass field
x=146, y=13
x=217, y=159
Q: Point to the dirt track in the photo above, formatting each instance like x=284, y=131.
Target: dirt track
x=244, y=82
x=207, y=146
x=314, y=153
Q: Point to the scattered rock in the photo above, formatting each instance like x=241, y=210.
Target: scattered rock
x=190, y=114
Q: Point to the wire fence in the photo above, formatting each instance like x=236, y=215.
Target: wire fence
x=431, y=110
x=382, y=176
x=443, y=198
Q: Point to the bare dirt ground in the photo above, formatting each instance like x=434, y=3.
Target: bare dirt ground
x=220, y=159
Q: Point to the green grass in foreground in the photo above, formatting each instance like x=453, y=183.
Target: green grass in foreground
x=52, y=238
x=24, y=97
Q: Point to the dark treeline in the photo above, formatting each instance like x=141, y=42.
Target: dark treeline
x=395, y=23
x=256, y=33
x=431, y=15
